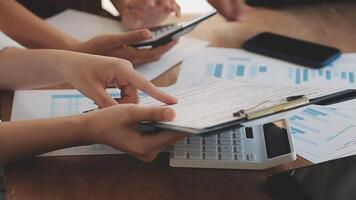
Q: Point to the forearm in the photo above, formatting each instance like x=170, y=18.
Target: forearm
x=26, y=138
x=23, y=68
x=29, y=30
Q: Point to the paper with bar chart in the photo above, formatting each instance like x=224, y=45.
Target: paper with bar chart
x=241, y=65
x=324, y=133
x=57, y=103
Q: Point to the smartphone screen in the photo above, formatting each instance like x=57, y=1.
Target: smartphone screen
x=334, y=179
x=293, y=50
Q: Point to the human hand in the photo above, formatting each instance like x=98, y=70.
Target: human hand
x=232, y=10
x=117, y=126
x=92, y=74
x=118, y=46
x=145, y=13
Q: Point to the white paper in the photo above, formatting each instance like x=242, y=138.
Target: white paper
x=324, y=133
x=235, y=64
x=85, y=26
x=213, y=102
x=39, y=104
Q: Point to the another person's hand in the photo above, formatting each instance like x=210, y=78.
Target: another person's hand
x=117, y=126
x=232, y=10
x=92, y=74
x=145, y=13
x=119, y=46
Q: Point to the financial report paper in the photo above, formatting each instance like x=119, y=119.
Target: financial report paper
x=213, y=101
x=236, y=64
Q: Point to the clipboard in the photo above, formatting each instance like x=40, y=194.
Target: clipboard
x=292, y=103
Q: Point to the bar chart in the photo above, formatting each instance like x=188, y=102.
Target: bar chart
x=316, y=125
x=239, y=68
x=329, y=74
x=72, y=104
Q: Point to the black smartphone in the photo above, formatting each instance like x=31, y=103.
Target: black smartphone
x=331, y=180
x=166, y=33
x=292, y=50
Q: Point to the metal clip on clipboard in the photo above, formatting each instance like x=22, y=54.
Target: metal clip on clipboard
x=290, y=103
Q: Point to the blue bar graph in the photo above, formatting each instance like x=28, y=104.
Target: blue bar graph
x=343, y=75
x=351, y=77
x=263, y=69
x=240, y=70
x=328, y=75
x=295, y=130
x=298, y=77
x=305, y=75
x=218, y=70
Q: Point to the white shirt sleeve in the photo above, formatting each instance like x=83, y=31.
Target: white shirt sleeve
x=5, y=41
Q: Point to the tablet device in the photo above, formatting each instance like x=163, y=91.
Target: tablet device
x=164, y=34
x=330, y=180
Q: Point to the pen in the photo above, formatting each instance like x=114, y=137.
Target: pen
x=292, y=102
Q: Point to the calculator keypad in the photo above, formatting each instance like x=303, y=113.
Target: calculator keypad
x=224, y=146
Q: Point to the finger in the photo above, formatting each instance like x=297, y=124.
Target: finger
x=176, y=9
x=146, y=86
x=224, y=8
x=167, y=5
x=101, y=97
x=143, y=56
x=238, y=7
x=131, y=37
x=129, y=94
x=162, y=140
x=142, y=113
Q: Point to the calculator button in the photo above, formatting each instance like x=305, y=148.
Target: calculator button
x=228, y=134
x=211, y=136
x=211, y=148
x=251, y=157
x=238, y=142
x=239, y=156
x=211, y=156
x=195, y=155
x=183, y=141
x=226, y=148
x=195, y=140
x=238, y=148
x=227, y=156
x=211, y=141
x=227, y=141
x=188, y=147
x=180, y=154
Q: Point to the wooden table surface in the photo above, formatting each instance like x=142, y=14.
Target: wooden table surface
x=123, y=177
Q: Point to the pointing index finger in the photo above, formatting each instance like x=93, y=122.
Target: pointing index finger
x=146, y=86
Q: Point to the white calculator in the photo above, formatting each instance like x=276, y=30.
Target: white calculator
x=257, y=147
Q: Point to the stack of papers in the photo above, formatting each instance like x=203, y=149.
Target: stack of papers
x=213, y=102
x=324, y=133
x=85, y=26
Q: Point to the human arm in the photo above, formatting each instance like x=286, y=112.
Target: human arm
x=115, y=126
x=32, y=32
x=145, y=13
x=90, y=74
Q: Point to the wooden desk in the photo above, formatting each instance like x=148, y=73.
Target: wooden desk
x=123, y=177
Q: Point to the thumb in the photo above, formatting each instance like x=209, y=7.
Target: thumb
x=132, y=37
x=140, y=113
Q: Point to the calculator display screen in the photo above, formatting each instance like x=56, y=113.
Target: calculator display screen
x=276, y=139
